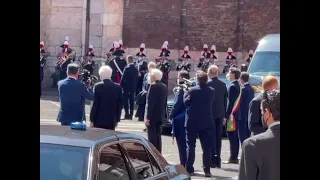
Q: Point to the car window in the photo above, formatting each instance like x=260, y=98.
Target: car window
x=112, y=164
x=265, y=63
x=142, y=161
x=63, y=162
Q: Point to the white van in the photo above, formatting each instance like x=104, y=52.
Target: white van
x=265, y=61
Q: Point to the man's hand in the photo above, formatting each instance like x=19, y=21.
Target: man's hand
x=224, y=121
x=91, y=124
x=147, y=122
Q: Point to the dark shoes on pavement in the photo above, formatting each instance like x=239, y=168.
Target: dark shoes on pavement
x=232, y=161
x=127, y=117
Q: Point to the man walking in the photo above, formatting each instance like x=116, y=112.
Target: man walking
x=218, y=112
x=128, y=84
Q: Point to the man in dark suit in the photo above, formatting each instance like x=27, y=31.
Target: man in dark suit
x=106, y=109
x=218, y=112
x=246, y=97
x=128, y=84
x=199, y=121
x=254, y=116
x=72, y=95
x=177, y=116
x=156, y=101
x=233, y=114
x=260, y=158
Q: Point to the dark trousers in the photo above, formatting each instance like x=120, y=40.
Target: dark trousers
x=216, y=141
x=140, y=112
x=128, y=102
x=154, y=135
x=234, y=143
x=110, y=127
x=180, y=133
x=139, y=86
x=65, y=123
x=205, y=140
x=244, y=132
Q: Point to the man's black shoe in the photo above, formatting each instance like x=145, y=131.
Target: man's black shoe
x=192, y=174
x=208, y=174
x=145, y=129
x=126, y=117
x=233, y=161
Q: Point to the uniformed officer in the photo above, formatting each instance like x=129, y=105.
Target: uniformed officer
x=89, y=63
x=164, y=65
x=164, y=51
x=204, y=59
x=42, y=63
x=166, y=43
x=185, y=65
x=212, y=53
x=142, y=66
x=121, y=46
x=65, y=39
x=118, y=64
x=230, y=61
x=250, y=57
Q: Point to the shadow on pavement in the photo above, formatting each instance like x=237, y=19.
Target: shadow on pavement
x=230, y=170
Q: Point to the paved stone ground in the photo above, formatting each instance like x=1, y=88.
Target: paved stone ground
x=49, y=105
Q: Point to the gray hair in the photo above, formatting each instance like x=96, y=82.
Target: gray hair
x=105, y=72
x=151, y=65
x=156, y=74
x=213, y=70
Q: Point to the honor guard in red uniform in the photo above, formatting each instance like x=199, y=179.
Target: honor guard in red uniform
x=250, y=57
x=163, y=64
x=230, y=60
x=204, y=60
x=142, y=66
x=118, y=63
x=212, y=53
x=42, y=63
x=121, y=46
x=185, y=65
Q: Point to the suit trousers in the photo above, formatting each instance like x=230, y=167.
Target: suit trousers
x=110, y=127
x=244, y=132
x=154, y=132
x=234, y=142
x=216, y=140
x=205, y=140
x=180, y=133
x=128, y=102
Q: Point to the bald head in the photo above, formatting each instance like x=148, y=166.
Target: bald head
x=151, y=65
x=213, y=71
x=269, y=83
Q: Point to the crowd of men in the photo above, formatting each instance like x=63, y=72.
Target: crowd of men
x=198, y=112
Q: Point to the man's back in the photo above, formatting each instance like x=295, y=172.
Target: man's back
x=72, y=95
x=106, y=108
x=247, y=96
x=156, y=101
x=129, y=78
x=199, y=101
x=220, y=98
x=254, y=116
x=261, y=156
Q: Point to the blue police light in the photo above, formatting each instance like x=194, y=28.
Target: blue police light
x=78, y=126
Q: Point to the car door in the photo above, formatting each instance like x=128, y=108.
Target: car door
x=144, y=164
x=112, y=164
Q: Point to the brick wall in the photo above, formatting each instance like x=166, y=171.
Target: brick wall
x=226, y=23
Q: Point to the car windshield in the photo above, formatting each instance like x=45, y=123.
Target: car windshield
x=59, y=162
x=265, y=63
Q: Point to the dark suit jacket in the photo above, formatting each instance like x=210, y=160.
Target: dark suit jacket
x=221, y=97
x=156, y=102
x=234, y=90
x=178, y=106
x=254, y=116
x=246, y=97
x=130, y=78
x=260, y=158
x=107, y=104
x=72, y=95
x=199, y=101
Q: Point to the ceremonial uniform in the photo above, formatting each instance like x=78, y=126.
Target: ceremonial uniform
x=63, y=67
x=118, y=64
x=185, y=57
x=204, y=62
x=142, y=67
x=250, y=57
x=230, y=60
x=42, y=63
x=89, y=63
x=212, y=53
x=164, y=65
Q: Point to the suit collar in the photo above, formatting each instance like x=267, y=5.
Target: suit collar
x=275, y=125
x=215, y=78
x=235, y=82
x=71, y=78
x=107, y=81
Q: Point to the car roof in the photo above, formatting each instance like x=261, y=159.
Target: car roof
x=64, y=135
x=270, y=42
